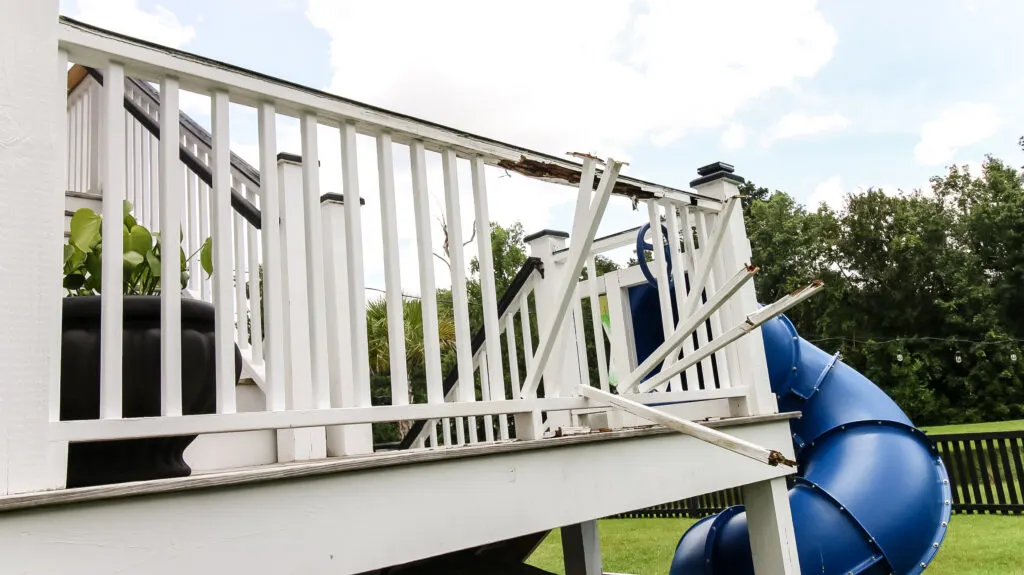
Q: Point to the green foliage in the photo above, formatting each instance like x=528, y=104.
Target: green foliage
x=914, y=281
x=83, y=256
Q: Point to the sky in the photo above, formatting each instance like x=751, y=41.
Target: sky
x=816, y=98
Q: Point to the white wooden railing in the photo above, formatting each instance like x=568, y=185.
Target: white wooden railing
x=314, y=363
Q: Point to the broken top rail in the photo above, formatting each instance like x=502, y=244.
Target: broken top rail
x=148, y=61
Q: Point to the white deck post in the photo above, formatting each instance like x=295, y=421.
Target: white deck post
x=309, y=442
x=581, y=549
x=341, y=439
x=717, y=180
x=562, y=374
x=33, y=125
x=770, y=525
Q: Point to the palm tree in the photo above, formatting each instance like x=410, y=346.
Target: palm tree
x=380, y=357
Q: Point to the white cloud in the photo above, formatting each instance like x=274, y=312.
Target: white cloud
x=830, y=192
x=958, y=126
x=799, y=125
x=734, y=137
x=124, y=16
x=576, y=75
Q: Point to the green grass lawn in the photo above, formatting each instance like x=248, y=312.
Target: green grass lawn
x=975, y=545
x=1015, y=425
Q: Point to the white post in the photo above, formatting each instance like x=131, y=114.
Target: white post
x=581, y=549
x=562, y=374
x=308, y=442
x=718, y=181
x=32, y=177
x=341, y=439
x=770, y=528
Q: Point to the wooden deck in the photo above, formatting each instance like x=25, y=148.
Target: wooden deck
x=265, y=473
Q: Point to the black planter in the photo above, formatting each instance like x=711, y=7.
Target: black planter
x=105, y=462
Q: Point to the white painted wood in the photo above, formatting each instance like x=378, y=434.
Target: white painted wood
x=770, y=527
x=95, y=103
x=170, y=267
x=687, y=261
x=513, y=354
x=200, y=74
x=726, y=357
x=191, y=239
x=392, y=272
x=684, y=329
x=351, y=439
x=53, y=377
x=584, y=196
x=709, y=254
x=255, y=308
x=751, y=366
x=488, y=294
x=360, y=369
x=241, y=331
x=578, y=253
x=314, y=240
x=595, y=320
x=661, y=277
x=315, y=514
x=679, y=289
x=765, y=455
x=527, y=329
x=111, y=316
x=203, y=202
x=154, y=178
x=581, y=549
x=92, y=430
x=296, y=444
x=460, y=301
x=428, y=293
x=33, y=170
x=139, y=178
x=273, y=282
x=750, y=324
x=220, y=215
x=620, y=332
x=580, y=335
x=485, y=395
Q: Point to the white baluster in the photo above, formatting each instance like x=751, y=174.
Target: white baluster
x=488, y=294
x=220, y=214
x=315, y=286
x=241, y=331
x=170, y=267
x=360, y=367
x=273, y=282
x=581, y=336
x=252, y=241
x=428, y=293
x=392, y=272
x=112, y=314
x=203, y=202
x=460, y=300
x=664, y=295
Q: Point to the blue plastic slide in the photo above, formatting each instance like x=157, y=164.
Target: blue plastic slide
x=871, y=494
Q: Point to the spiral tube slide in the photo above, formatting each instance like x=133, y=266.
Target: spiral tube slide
x=871, y=494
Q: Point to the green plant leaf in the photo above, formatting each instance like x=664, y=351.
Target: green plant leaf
x=140, y=240
x=154, y=263
x=206, y=256
x=85, y=229
x=69, y=251
x=132, y=260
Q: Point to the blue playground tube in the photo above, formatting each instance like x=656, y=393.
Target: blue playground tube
x=871, y=494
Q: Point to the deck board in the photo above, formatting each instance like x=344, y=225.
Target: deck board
x=282, y=471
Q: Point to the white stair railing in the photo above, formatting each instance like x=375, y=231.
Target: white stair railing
x=315, y=366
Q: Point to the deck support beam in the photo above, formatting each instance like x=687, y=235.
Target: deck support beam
x=770, y=527
x=581, y=549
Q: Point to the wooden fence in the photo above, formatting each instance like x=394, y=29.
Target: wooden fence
x=986, y=472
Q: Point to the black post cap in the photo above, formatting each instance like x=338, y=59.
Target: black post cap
x=339, y=198
x=715, y=167
x=542, y=233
